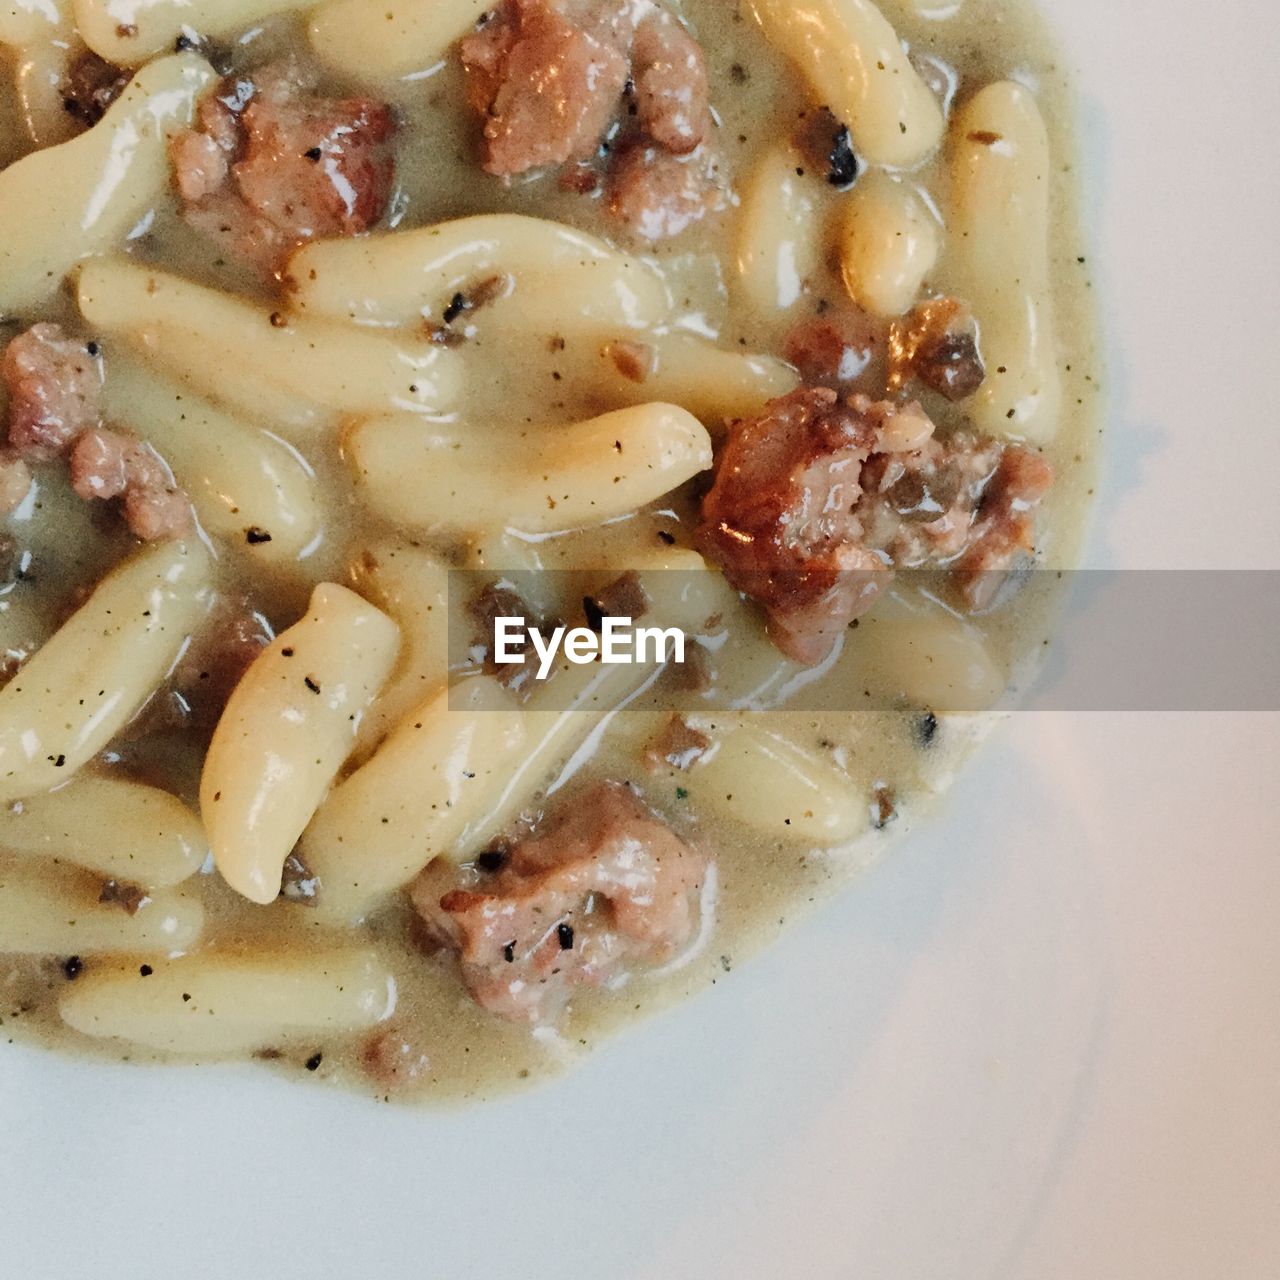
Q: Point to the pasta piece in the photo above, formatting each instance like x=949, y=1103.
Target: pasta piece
x=90, y=679
x=214, y=1004
x=122, y=829
x=766, y=780
x=412, y=586
x=779, y=234
x=46, y=910
x=379, y=40
x=130, y=33
x=40, y=76
x=932, y=660
x=713, y=384
x=288, y=727
x=64, y=203
x=889, y=243
x=439, y=772
x=857, y=67
x=293, y=373
x=1000, y=259
x=437, y=477
x=247, y=486
x=554, y=279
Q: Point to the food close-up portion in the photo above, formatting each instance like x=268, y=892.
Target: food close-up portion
x=332, y=334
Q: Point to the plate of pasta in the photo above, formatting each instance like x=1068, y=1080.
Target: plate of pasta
x=508, y=509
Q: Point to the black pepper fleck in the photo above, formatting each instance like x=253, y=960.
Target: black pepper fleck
x=253, y=535
x=311, y=684
x=146, y=970
x=313, y=1062
x=564, y=933
x=73, y=967
x=491, y=860
x=509, y=952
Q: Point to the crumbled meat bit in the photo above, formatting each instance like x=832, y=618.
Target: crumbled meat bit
x=780, y=518
x=90, y=86
x=549, y=79
x=624, y=597
x=55, y=391
x=817, y=498
x=633, y=360
x=271, y=165
x=1004, y=528
x=393, y=1059
x=658, y=195
x=298, y=883
x=827, y=147
x=128, y=896
x=109, y=464
x=840, y=347
x=217, y=658
x=670, y=84
x=884, y=806
x=677, y=745
x=937, y=344
x=625, y=884
x=546, y=85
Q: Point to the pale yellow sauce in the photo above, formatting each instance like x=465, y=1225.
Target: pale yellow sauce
x=764, y=882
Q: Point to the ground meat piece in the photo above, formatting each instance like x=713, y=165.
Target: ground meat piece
x=937, y=344
x=624, y=597
x=827, y=147
x=109, y=464
x=1004, y=528
x=659, y=195
x=222, y=651
x=127, y=896
x=918, y=507
x=780, y=518
x=548, y=86
x=676, y=745
x=55, y=391
x=606, y=887
x=670, y=84
x=270, y=165
x=90, y=86
x=815, y=499
x=840, y=347
x=393, y=1059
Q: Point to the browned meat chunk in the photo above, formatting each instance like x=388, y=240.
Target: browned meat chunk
x=937, y=344
x=841, y=347
x=90, y=86
x=817, y=498
x=670, y=79
x=548, y=86
x=55, y=391
x=605, y=888
x=659, y=195
x=394, y=1059
x=271, y=165
x=781, y=518
x=214, y=664
x=550, y=77
x=1004, y=529
x=676, y=745
x=108, y=464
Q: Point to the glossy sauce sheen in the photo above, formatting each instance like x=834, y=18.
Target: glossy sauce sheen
x=899, y=761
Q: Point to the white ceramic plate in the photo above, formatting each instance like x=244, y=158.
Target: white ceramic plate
x=1043, y=1040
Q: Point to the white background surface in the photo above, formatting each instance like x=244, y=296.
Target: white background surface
x=1041, y=1041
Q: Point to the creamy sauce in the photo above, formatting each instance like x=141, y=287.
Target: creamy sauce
x=899, y=759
